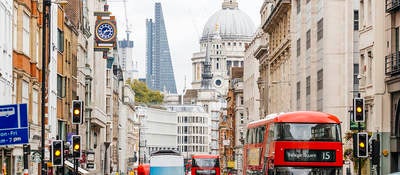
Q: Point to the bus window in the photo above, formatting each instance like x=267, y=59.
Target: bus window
x=308, y=132
x=261, y=133
x=254, y=135
x=270, y=137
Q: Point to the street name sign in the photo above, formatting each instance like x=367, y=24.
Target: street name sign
x=14, y=127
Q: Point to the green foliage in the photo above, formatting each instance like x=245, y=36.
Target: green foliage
x=145, y=95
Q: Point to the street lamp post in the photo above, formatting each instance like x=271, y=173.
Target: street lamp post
x=45, y=17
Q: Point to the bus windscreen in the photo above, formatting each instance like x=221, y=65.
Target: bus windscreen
x=205, y=162
x=307, y=132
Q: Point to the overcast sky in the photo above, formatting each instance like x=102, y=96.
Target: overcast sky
x=184, y=20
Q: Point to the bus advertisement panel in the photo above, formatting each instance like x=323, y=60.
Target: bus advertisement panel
x=205, y=165
x=302, y=142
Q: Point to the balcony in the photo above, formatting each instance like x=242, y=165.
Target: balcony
x=392, y=5
x=392, y=64
x=282, y=7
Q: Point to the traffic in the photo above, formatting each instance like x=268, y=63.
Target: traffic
x=302, y=142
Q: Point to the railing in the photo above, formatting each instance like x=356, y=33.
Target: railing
x=392, y=63
x=392, y=5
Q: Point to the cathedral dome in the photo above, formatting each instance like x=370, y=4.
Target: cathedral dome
x=231, y=22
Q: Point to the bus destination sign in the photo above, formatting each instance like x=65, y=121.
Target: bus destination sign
x=303, y=155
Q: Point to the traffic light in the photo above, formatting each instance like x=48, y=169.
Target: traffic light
x=57, y=153
x=76, y=146
x=362, y=144
x=358, y=110
x=77, y=111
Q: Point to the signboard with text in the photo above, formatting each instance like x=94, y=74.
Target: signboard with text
x=14, y=127
x=300, y=155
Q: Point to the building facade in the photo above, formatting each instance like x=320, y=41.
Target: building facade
x=275, y=67
x=392, y=80
x=26, y=77
x=159, y=131
x=125, y=49
x=373, y=87
x=160, y=74
x=6, y=45
x=251, y=94
x=193, y=130
x=232, y=125
x=228, y=30
x=318, y=56
x=125, y=129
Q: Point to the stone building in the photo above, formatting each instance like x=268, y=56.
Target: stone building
x=26, y=55
x=392, y=80
x=275, y=65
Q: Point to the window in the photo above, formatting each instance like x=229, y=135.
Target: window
x=108, y=104
x=60, y=86
x=298, y=90
x=356, y=20
x=320, y=79
x=25, y=34
x=396, y=31
x=14, y=91
x=25, y=92
x=369, y=72
x=228, y=66
x=3, y=29
x=298, y=6
x=271, y=135
x=308, y=86
x=37, y=49
x=60, y=40
x=298, y=47
x=355, y=73
x=308, y=39
x=320, y=29
x=108, y=79
x=15, y=29
x=35, y=107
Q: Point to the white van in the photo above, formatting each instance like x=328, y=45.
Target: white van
x=166, y=162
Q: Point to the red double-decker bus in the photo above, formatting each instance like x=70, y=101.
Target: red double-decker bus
x=205, y=165
x=301, y=142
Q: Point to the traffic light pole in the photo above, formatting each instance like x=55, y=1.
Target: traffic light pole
x=46, y=16
x=76, y=159
x=359, y=159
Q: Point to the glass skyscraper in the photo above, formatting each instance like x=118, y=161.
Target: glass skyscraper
x=159, y=73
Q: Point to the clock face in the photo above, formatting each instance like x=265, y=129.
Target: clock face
x=105, y=31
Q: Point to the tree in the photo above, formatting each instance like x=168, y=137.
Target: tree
x=145, y=95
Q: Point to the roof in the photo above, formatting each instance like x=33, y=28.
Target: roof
x=298, y=117
x=205, y=156
x=229, y=24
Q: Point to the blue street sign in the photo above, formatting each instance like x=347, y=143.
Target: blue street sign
x=14, y=124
